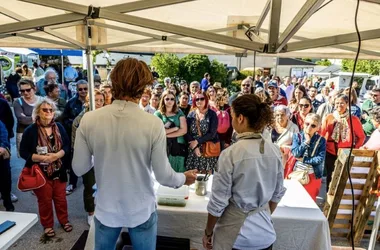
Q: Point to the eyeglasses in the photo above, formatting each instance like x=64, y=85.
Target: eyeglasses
x=246, y=85
x=200, y=99
x=169, y=99
x=374, y=95
x=47, y=110
x=310, y=124
x=82, y=89
x=25, y=90
x=304, y=105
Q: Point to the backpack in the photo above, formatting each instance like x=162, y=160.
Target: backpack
x=223, y=120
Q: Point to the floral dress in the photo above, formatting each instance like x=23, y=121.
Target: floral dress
x=201, y=163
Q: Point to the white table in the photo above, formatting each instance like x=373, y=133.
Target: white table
x=24, y=221
x=298, y=221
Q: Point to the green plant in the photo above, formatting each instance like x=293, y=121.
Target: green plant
x=193, y=67
x=167, y=65
x=323, y=62
x=218, y=72
x=364, y=66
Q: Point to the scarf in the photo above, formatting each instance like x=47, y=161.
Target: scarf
x=43, y=141
x=341, y=129
x=252, y=135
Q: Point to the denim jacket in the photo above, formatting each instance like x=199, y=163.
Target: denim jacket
x=318, y=160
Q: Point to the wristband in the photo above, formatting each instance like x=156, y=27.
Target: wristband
x=208, y=235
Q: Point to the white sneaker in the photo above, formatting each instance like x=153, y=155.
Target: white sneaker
x=69, y=189
x=14, y=198
x=89, y=219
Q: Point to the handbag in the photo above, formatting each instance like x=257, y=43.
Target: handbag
x=211, y=149
x=31, y=178
x=301, y=170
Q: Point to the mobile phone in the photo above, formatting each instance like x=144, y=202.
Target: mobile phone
x=6, y=225
x=168, y=124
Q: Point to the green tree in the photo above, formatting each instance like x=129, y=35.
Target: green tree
x=218, y=72
x=167, y=65
x=364, y=66
x=323, y=62
x=193, y=67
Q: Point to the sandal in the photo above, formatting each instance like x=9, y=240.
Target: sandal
x=67, y=227
x=49, y=232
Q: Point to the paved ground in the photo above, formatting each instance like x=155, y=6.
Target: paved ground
x=78, y=217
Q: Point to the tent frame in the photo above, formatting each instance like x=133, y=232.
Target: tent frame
x=87, y=15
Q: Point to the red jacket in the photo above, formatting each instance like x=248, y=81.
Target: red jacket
x=280, y=100
x=327, y=130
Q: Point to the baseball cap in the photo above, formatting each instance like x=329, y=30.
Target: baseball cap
x=272, y=84
x=159, y=85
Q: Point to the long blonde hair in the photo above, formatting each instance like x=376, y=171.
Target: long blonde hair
x=162, y=107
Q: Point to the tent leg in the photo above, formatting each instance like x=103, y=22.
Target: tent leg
x=254, y=64
x=90, y=67
x=62, y=70
x=375, y=228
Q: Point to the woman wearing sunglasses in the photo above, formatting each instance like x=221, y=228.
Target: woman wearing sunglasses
x=304, y=108
x=23, y=107
x=336, y=130
x=46, y=143
x=202, y=125
x=309, y=148
x=175, y=126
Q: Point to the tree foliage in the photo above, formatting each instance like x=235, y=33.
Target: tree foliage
x=323, y=62
x=167, y=65
x=364, y=66
x=218, y=72
x=193, y=67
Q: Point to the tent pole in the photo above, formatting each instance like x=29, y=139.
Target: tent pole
x=375, y=228
x=90, y=67
x=62, y=70
x=254, y=64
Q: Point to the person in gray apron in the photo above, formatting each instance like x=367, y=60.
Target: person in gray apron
x=248, y=185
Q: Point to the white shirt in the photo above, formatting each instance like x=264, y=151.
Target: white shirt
x=127, y=144
x=250, y=180
x=288, y=90
x=147, y=108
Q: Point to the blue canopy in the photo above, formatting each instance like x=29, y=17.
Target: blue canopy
x=58, y=52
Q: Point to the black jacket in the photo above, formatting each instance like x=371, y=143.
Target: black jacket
x=29, y=143
x=6, y=116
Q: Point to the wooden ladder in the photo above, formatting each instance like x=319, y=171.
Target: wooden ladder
x=363, y=166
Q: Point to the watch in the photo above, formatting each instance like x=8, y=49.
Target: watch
x=208, y=235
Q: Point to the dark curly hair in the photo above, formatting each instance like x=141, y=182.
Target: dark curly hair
x=259, y=114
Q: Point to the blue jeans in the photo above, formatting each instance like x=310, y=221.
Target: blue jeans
x=143, y=237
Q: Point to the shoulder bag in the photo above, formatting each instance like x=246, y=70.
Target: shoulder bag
x=211, y=149
x=301, y=170
x=31, y=178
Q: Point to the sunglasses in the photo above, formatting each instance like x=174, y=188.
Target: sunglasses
x=304, y=105
x=47, y=110
x=82, y=89
x=246, y=85
x=169, y=99
x=200, y=99
x=310, y=124
x=25, y=90
x=374, y=95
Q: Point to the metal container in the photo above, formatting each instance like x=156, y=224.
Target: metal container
x=201, y=186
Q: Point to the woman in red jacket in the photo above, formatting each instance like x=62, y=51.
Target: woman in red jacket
x=336, y=130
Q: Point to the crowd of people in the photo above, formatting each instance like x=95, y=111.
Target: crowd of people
x=177, y=130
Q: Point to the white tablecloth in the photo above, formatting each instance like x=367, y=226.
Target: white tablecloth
x=298, y=221
x=24, y=222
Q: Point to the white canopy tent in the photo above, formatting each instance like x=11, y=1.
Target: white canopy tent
x=296, y=28
x=288, y=28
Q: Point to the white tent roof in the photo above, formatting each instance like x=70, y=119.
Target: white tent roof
x=19, y=51
x=180, y=26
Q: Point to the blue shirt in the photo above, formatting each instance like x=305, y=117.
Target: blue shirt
x=4, y=142
x=204, y=84
x=70, y=74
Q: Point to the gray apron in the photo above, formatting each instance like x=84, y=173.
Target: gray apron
x=229, y=224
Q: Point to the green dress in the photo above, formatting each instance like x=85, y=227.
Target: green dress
x=177, y=162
